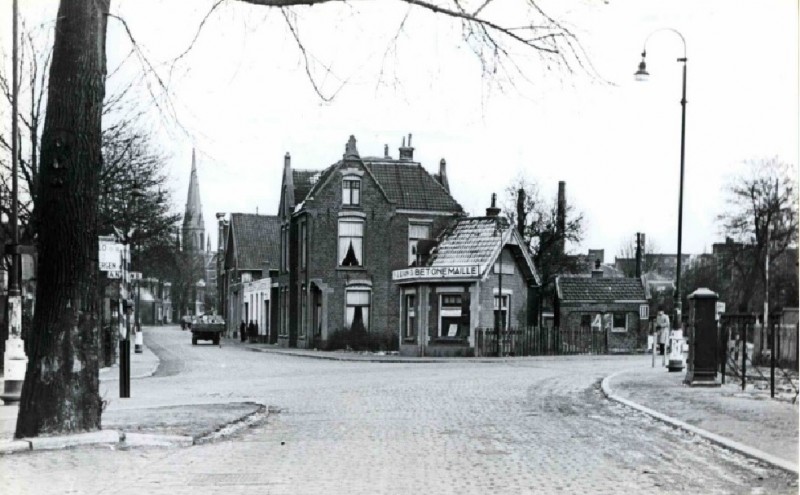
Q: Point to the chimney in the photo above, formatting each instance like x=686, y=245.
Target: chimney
x=493, y=210
x=407, y=152
x=561, y=214
x=386, y=151
x=443, y=174
x=639, y=254
x=287, y=161
x=597, y=272
x=521, y=220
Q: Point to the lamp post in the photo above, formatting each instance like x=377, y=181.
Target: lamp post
x=642, y=75
x=15, y=360
x=136, y=193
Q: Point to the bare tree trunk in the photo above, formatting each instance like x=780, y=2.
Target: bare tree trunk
x=61, y=390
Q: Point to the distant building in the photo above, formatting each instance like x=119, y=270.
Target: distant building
x=200, y=291
x=617, y=309
x=251, y=251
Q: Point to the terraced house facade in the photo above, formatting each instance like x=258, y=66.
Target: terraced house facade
x=344, y=229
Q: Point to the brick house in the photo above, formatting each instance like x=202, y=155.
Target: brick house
x=479, y=270
x=251, y=249
x=617, y=307
x=344, y=229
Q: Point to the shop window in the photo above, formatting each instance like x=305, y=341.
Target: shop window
x=416, y=232
x=351, y=191
x=357, y=309
x=449, y=315
x=620, y=323
x=501, y=310
x=410, y=315
x=351, y=238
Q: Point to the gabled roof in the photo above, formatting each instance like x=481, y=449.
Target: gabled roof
x=406, y=184
x=478, y=241
x=256, y=240
x=599, y=289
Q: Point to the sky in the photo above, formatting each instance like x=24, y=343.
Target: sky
x=241, y=97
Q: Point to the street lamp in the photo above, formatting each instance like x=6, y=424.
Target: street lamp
x=642, y=75
x=136, y=193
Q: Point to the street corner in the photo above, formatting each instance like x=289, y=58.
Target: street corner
x=184, y=425
x=76, y=440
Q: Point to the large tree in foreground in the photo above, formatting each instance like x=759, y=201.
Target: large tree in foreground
x=60, y=393
x=61, y=390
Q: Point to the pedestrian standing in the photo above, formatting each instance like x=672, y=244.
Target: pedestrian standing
x=662, y=330
x=251, y=330
x=242, y=331
x=255, y=331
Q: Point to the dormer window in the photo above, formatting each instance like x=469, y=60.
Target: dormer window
x=351, y=191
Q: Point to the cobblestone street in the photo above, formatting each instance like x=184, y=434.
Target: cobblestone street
x=526, y=425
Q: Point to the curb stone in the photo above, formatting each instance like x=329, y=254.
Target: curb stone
x=133, y=439
x=376, y=359
x=11, y=446
x=727, y=443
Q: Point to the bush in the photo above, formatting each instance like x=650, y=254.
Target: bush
x=361, y=340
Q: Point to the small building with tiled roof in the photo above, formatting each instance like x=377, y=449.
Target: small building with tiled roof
x=251, y=250
x=343, y=229
x=478, y=277
x=602, y=314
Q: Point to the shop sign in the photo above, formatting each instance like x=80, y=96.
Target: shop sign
x=437, y=272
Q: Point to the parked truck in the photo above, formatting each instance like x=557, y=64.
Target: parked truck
x=207, y=328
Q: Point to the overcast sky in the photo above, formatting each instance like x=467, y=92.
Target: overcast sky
x=241, y=97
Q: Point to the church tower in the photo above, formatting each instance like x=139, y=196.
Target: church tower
x=194, y=230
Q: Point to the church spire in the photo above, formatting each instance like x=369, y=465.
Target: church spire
x=193, y=225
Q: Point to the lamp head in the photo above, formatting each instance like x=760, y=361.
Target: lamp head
x=642, y=74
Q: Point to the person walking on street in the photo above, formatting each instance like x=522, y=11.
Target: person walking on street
x=242, y=331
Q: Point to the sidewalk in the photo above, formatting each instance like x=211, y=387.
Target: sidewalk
x=748, y=421
x=133, y=422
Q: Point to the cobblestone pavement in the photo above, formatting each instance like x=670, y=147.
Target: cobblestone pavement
x=535, y=425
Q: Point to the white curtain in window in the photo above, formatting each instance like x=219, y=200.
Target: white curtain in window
x=416, y=231
x=350, y=234
x=357, y=302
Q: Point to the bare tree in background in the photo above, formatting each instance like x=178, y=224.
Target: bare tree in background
x=764, y=197
x=546, y=239
x=61, y=393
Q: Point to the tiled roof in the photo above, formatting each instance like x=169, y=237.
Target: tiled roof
x=304, y=181
x=469, y=241
x=409, y=185
x=600, y=289
x=257, y=240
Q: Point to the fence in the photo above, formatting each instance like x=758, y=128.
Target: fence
x=746, y=350
x=538, y=341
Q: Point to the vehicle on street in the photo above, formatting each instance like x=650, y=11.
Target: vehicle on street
x=207, y=327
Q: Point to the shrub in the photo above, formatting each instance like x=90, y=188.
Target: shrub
x=358, y=339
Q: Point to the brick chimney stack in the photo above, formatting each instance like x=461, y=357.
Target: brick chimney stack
x=493, y=210
x=639, y=247
x=443, y=174
x=521, y=220
x=407, y=152
x=561, y=214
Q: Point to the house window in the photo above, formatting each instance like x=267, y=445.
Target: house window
x=247, y=277
x=501, y=310
x=620, y=322
x=415, y=233
x=351, y=237
x=351, y=191
x=410, y=315
x=285, y=248
x=449, y=315
x=285, y=312
x=303, y=242
x=303, y=309
x=357, y=309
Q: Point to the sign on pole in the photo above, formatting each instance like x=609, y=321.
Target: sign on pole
x=108, y=254
x=134, y=276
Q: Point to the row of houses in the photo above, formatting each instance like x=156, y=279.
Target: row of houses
x=379, y=244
